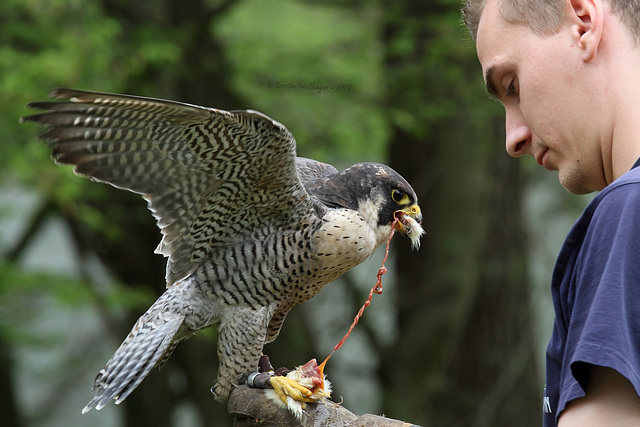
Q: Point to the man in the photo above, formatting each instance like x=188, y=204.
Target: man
x=568, y=75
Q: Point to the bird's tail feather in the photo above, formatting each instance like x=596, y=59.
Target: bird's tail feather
x=149, y=343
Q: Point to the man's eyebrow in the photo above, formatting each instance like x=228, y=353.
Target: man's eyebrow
x=488, y=81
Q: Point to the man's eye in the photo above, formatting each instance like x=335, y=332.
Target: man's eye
x=511, y=90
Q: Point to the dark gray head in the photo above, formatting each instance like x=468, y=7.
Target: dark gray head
x=376, y=191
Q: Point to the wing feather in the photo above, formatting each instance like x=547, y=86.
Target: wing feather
x=208, y=175
x=310, y=170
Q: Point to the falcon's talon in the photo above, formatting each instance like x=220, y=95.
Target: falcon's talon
x=281, y=372
x=264, y=364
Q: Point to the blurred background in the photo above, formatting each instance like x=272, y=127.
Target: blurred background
x=459, y=334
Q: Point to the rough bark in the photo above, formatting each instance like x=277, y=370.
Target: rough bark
x=250, y=407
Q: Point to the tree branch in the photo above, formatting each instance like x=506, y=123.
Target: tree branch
x=250, y=407
x=31, y=231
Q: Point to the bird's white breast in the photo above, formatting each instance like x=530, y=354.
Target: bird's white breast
x=345, y=240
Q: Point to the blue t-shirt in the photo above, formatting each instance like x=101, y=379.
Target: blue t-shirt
x=596, y=295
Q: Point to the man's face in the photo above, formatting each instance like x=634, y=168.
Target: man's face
x=548, y=104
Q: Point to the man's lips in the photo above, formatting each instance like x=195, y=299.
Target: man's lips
x=542, y=157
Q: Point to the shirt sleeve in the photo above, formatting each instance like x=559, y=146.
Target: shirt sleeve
x=604, y=301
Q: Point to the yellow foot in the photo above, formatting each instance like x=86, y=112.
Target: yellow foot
x=287, y=387
x=306, y=384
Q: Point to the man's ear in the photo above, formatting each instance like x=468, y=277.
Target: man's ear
x=587, y=21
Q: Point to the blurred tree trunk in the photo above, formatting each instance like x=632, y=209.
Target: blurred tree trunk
x=464, y=305
x=9, y=409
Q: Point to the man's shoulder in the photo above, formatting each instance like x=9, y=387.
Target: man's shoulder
x=631, y=177
x=622, y=193
x=618, y=202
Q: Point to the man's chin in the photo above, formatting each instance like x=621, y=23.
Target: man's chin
x=575, y=184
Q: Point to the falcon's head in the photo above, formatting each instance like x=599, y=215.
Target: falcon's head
x=378, y=193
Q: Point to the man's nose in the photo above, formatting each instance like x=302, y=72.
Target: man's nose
x=518, y=134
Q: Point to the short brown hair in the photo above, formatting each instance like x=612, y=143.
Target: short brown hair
x=544, y=16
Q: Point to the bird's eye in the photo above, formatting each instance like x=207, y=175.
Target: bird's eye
x=399, y=196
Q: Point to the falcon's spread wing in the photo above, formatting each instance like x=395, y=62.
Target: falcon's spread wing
x=192, y=164
x=311, y=173
x=311, y=170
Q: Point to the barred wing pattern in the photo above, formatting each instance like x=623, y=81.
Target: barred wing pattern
x=208, y=175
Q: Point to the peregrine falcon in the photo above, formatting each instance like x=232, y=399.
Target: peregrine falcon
x=249, y=229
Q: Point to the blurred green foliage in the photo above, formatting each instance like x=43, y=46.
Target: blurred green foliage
x=316, y=69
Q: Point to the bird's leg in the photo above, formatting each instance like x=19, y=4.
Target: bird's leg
x=241, y=338
x=264, y=364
